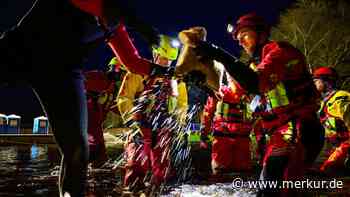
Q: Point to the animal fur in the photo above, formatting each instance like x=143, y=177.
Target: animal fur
x=188, y=61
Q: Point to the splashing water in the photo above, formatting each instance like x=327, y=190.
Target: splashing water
x=169, y=128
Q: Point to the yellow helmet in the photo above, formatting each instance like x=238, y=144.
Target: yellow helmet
x=168, y=47
x=115, y=65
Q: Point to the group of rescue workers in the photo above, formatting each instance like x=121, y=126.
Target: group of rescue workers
x=275, y=98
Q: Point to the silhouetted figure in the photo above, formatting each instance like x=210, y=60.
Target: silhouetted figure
x=45, y=50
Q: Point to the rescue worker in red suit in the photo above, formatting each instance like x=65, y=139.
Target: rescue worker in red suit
x=139, y=83
x=227, y=119
x=45, y=50
x=101, y=91
x=335, y=117
x=278, y=73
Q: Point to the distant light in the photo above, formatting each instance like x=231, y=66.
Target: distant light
x=229, y=28
x=175, y=43
x=34, y=152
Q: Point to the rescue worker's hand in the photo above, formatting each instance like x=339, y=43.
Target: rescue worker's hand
x=116, y=11
x=245, y=76
x=208, y=51
x=148, y=32
x=205, y=51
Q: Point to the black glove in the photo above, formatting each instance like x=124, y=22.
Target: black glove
x=116, y=10
x=158, y=70
x=206, y=51
x=245, y=76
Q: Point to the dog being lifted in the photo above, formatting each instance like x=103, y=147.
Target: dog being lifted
x=188, y=62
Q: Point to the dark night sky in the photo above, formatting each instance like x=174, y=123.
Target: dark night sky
x=168, y=17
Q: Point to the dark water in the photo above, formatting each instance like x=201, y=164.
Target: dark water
x=31, y=170
x=25, y=170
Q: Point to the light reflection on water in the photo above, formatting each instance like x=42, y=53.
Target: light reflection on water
x=31, y=170
x=217, y=190
x=25, y=170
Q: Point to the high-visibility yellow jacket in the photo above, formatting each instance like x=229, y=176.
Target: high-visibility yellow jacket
x=335, y=108
x=335, y=115
x=182, y=100
x=132, y=87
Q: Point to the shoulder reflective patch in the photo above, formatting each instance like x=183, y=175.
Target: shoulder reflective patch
x=341, y=98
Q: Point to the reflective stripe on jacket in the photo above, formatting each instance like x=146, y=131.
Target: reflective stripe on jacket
x=286, y=82
x=332, y=111
x=227, y=115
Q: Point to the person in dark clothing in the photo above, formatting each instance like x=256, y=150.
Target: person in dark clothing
x=45, y=49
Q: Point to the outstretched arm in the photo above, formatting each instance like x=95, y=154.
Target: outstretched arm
x=124, y=49
x=122, y=46
x=113, y=11
x=245, y=76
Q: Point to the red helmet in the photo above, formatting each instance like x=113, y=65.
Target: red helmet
x=251, y=20
x=325, y=72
